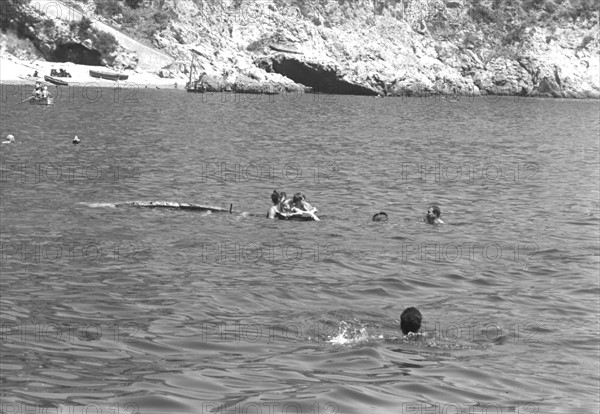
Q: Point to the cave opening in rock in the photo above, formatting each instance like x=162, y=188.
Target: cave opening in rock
x=321, y=79
x=76, y=53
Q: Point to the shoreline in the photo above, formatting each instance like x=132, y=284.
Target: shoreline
x=15, y=71
x=18, y=72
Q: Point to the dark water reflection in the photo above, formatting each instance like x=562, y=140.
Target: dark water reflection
x=179, y=311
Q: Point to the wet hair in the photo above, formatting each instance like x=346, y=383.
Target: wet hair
x=275, y=197
x=410, y=320
x=437, y=212
x=298, y=197
x=381, y=216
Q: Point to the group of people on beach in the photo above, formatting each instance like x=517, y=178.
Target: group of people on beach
x=285, y=206
x=40, y=91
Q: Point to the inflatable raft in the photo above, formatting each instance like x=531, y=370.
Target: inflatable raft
x=297, y=216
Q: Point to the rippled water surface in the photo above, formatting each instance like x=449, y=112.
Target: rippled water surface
x=107, y=307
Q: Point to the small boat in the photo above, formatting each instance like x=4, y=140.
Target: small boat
x=49, y=100
x=55, y=81
x=114, y=76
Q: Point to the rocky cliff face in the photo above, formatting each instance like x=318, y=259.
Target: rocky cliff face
x=387, y=47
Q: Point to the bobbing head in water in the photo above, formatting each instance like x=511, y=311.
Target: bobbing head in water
x=275, y=197
x=381, y=216
x=433, y=215
x=410, y=320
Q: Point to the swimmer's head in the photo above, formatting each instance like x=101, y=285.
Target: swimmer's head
x=275, y=197
x=434, y=212
x=410, y=320
x=10, y=137
x=298, y=197
x=381, y=216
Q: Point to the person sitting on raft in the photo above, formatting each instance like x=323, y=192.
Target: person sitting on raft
x=299, y=204
x=433, y=215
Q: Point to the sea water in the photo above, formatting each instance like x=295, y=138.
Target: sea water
x=110, y=308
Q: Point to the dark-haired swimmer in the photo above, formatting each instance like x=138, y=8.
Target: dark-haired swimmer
x=285, y=203
x=433, y=215
x=381, y=216
x=410, y=320
x=275, y=198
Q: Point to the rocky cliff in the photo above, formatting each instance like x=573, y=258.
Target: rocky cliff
x=375, y=47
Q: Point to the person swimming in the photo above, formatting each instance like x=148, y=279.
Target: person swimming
x=410, y=320
x=433, y=215
x=9, y=139
x=285, y=203
x=37, y=91
x=276, y=199
x=381, y=216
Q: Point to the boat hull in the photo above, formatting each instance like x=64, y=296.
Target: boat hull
x=55, y=81
x=175, y=205
x=113, y=76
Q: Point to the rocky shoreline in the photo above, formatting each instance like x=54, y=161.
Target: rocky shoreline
x=353, y=48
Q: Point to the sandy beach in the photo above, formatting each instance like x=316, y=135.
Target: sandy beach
x=13, y=70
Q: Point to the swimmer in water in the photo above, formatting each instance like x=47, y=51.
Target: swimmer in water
x=381, y=216
x=433, y=215
x=76, y=140
x=276, y=199
x=285, y=203
x=410, y=320
x=9, y=139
